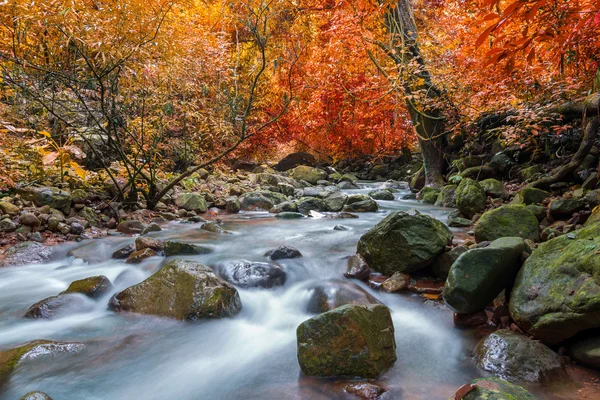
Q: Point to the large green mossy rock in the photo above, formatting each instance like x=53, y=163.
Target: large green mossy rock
x=11, y=358
x=447, y=197
x=350, y=341
x=470, y=197
x=531, y=195
x=509, y=220
x=309, y=174
x=182, y=289
x=191, y=202
x=261, y=200
x=557, y=292
x=404, y=242
x=494, y=188
x=480, y=274
x=429, y=195
x=497, y=389
x=517, y=358
x=94, y=286
x=360, y=203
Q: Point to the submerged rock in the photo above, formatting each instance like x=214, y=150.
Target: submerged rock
x=357, y=267
x=10, y=359
x=26, y=253
x=557, y=292
x=249, y=274
x=480, y=274
x=353, y=341
x=177, y=248
x=58, y=306
x=124, y=252
x=182, y=289
x=138, y=256
x=332, y=294
x=283, y=252
x=517, y=358
x=404, y=242
x=495, y=389
x=94, y=286
x=507, y=221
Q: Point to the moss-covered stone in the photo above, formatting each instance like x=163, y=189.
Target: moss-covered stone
x=381, y=194
x=182, y=289
x=289, y=215
x=309, y=174
x=538, y=211
x=565, y=207
x=261, y=200
x=178, y=248
x=530, y=195
x=557, y=292
x=494, y=188
x=360, y=203
x=351, y=340
x=447, y=196
x=9, y=208
x=470, y=197
x=335, y=201
x=307, y=204
x=429, y=195
x=594, y=217
x=47, y=196
x=94, y=286
x=516, y=357
x=509, y=220
x=478, y=173
x=497, y=389
x=480, y=274
x=191, y=202
x=404, y=242
x=530, y=173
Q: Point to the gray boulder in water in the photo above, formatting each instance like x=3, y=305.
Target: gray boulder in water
x=247, y=274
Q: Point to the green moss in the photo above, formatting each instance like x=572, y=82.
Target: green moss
x=497, y=389
x=429, y=195
x=509, y=220
x=470, y=197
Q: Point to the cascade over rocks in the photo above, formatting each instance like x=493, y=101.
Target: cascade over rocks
x=94, y=286
x=404, y=242
x=351, y=340
x=334, y=293
x=182, y=289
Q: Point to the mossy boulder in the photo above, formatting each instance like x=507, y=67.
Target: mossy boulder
x=517, y=358
x=478, y=173
x=404, y=242
x=441, y=266
x=332, y=294
x=429, y=195
x=479, y=275
x=261, y=200
x=496, y=389
x=594, y=218
x=447, y=197
x=381, y=194
x=309, y=174
x=93, y=287
x=191, y=202
x=11, y=358
x=494, y=188
x=565, y=207
x=530, y=195
x=8, y=208
x=307, y=204
x=538, y=211
x=557, y=292
x=182, y=289
x=360, y=203
x=530, y=173
x=470, y=197
x=335, y=201
x=507, y=221
x=179, y=248
x=349, y=341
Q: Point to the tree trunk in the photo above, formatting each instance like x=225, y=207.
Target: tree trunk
x=422, y=97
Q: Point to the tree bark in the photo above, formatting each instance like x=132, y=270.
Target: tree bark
x=426, y=114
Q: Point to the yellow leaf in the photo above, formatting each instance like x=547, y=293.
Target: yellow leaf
x=44, y=133
x=78, y=170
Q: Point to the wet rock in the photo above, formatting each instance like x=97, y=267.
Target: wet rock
x=480, y=274
x=93, y=287
x=295, y=159
x=593, y=198
x=308, y=174
x=50, y=196
x=494, y=188
x=495, y=389
x=182, y=289
x=35, y=396
x=441, y=266
x=77, y=228
x=447, y=195
x=191, y=202
x=565, y=207
x=585, y=349
x=342, y=215
x=346, y=185
x=332, y=294
x=26, y=253
x=283, y=252
x=289, y=215
x=381, y=194
x=140, y=255
x=267, y=179
x=478, y=173
x=340, y=228
x=457, y=221
x=308, y=204
x=233, y=205
x=178, y=248
x=557, y=292
x=10, y=359
x=249, y=274
x=531, y=195
x=517, y=358
x=58, y=306
x=261, y=200
x=335, y=201
x=510, y=220
x=145, y=242
x=124, y=252
x=404, y=242
x=286, y=206
x=470, y=320
x=530, y=173
x=152, y=227
x=395, y=283
x=8, y=208
x=355, y=341
x=429, y=195
x=131, y=227
x=364, y=390
x=357, y=268
x=470, y=197
x=213, y=227
x=7, y=225
x=360, y=203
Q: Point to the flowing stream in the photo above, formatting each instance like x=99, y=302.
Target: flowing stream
x=250, y=356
